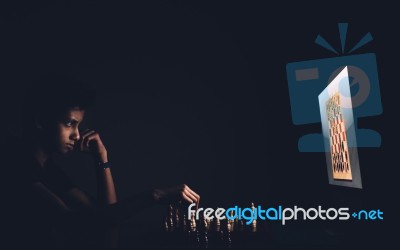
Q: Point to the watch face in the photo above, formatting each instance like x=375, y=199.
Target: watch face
x=104, y=165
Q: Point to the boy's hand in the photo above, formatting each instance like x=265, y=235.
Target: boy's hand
x=90, y=142
x=181, y=193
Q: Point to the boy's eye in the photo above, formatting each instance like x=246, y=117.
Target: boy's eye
x=68, y=123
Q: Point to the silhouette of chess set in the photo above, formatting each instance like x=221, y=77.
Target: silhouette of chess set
x=209, y=233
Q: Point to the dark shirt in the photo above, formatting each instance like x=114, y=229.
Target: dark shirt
x=28, y=220
x=50, y=175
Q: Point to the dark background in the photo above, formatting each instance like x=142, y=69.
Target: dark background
x=197, y=93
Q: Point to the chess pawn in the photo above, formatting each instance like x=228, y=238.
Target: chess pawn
x=230, y=222
x=177, y=217
x=232, y=226
x=193, y=222
x=231, y=215
x=253, y=227
x=217, y=224
x=204, y=223
x=236, y=221
x=228, y=226
x=184, y=222
x=207, y=224
x=166, y=223
x=171, y=216
x=254, y=222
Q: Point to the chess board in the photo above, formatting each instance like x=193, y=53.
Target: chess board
x=338, y=139
x=203, y=233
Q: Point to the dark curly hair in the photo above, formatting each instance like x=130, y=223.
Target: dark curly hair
x=50, y=96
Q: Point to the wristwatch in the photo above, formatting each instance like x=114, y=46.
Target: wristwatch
x=104, y=165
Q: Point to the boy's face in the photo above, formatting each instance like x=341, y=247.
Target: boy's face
x=66, y=133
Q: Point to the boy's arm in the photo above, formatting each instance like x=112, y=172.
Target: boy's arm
x=91, y=142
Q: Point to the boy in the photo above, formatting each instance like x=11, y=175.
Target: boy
x=43, y=207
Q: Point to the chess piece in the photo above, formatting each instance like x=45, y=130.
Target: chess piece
x=217, y=223
x=193, y=222
x=171, y=222
x=228, y=226
x=166, y=223
x=253, y=228
x=204, y=221
x=254, y=222
x=230, y=223
x=184, y=222
x=231, y=215
x=177, y=217
x=207, y=223
x=217, y=227
x=204, y=224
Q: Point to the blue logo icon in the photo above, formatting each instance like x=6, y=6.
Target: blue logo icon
x=307, y=79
